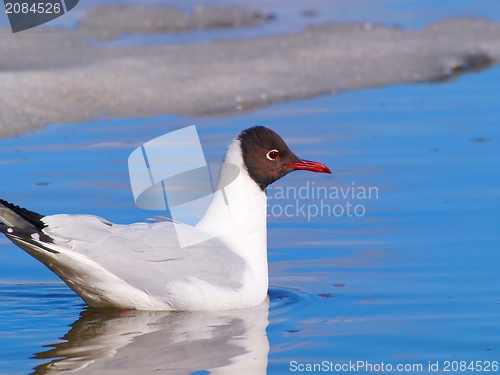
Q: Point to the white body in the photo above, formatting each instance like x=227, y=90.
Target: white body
x=141, y=266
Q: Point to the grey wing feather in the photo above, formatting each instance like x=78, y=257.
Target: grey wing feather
x=147, y=256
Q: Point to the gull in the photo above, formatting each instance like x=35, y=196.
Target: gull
x=143, y=266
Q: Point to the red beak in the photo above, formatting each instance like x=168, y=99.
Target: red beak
x=308, y=165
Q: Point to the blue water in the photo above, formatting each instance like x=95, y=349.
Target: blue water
x=415, y=279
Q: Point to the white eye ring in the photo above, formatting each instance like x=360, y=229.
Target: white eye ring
x=268, y=155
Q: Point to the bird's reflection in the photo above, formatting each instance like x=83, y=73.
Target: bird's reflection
x=138, y=342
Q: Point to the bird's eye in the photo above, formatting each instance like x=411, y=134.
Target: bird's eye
x=273, y=155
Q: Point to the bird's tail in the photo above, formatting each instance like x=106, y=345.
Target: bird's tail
x=25, y=229
x=12, y=216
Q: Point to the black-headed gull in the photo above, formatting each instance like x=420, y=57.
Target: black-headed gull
x=142, y=266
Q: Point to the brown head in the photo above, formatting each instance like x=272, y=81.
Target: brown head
x=268, y=158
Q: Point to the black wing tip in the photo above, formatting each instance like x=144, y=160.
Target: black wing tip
x=31, y=217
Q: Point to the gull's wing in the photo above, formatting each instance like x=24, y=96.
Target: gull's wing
x=146, y=257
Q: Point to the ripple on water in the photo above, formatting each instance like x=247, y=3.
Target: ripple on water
x=283, y=298
x=34, y=296
x=33, y=315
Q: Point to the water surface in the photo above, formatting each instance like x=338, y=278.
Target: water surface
x=415, y=279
